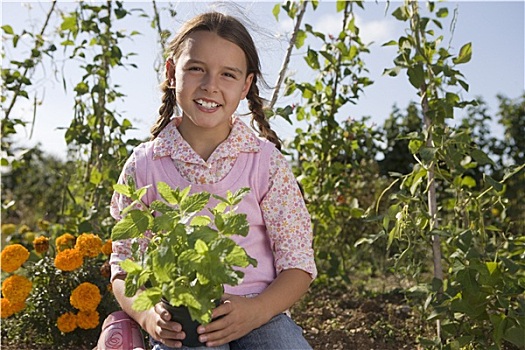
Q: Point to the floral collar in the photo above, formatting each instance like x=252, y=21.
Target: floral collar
x=170, y=143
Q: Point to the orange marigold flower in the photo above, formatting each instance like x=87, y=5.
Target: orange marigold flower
x=107, y=248
x=69, y=260
x=13, y=256
x=66, y=241
x=5, y=308
x=85, y=297
x=8, y=229
x=87, y=319
x=41, y=244
x=8, y=308
x=67, y=322
x=89, y=244
x=16, y=288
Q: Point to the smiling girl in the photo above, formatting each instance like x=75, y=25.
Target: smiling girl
x=213, y=65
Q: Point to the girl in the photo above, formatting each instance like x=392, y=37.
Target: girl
x=212, y=66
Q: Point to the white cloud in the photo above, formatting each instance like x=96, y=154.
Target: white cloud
x=377, y=31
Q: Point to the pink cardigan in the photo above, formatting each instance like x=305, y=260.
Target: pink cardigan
x=250, y=170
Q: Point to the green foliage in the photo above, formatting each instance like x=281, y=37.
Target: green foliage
x=16, y=79
x=479, y=301
x=34, y=188
x=190, y=255
x=335, y=160
x=96, y=131
x=484, y=300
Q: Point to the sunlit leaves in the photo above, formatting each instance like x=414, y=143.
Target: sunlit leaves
x=190, y=256
x=465, y=54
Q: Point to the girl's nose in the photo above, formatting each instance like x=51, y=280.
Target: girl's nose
x=209, y=83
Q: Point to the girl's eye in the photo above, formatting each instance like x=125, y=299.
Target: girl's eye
x=197, y=69
x=230, y=75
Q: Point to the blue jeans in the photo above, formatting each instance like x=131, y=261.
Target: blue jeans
x=281, y=333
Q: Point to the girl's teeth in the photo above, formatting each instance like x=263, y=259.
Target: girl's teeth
x=207, y=104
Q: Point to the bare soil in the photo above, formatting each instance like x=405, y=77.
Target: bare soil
x=341, y=318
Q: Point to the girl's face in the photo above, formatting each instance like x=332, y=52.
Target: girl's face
x=210, y=79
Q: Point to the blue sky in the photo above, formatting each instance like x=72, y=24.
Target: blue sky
x=495, y=28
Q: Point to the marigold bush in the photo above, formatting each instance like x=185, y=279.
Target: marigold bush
x=89, y=245
x=85, y=297
x=64, y=295
x=13, y=256
x=69, y=260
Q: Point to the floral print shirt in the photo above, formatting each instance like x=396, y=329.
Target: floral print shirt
x=287, y=220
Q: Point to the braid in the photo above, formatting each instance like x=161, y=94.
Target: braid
x=259, y=120
x=165, y=111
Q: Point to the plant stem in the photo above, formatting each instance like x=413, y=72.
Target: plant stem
x=38, y=43
x=286, y=60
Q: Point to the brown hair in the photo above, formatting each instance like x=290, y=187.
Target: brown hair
x=228, y=28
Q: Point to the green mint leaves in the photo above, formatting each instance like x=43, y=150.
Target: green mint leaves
x=190, y=254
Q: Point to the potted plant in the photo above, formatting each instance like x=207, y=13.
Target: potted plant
x=190, y=255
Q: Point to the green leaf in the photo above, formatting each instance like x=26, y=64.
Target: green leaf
x=300, y=38
x=481, y=157
x=236, y=197
x=237, y=257
x=340, y=5
x=147, y=299
x=122, y=189
x=442, y=12
x=465, y=54
x=132, y=225
x=401, y=13
x=130, y=266
x=468, y=181
x=428, y=153
x=200, y=221
x=95, y=177
x=69, y=23
x=8, y=29
x=416, y=76
x=390, y=43
x=171, y=196
x=236, y=224
x=492, y=266
x=515, y=336
x=201, y=247
x=81, y=88
x=414, y=146
x=194, y=203
x=276, y=10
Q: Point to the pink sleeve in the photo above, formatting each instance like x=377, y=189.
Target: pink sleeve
x=287, y=220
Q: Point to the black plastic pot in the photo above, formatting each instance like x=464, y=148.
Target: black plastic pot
x=180, y=314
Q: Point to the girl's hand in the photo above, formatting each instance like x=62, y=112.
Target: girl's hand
x=240, y=316
x=159, y=326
